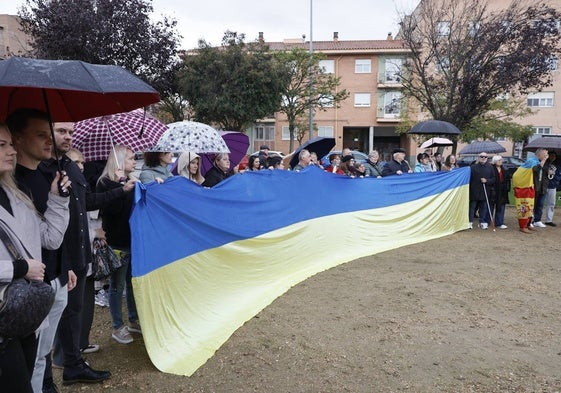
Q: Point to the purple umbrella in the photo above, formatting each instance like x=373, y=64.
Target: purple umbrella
x=237, y=143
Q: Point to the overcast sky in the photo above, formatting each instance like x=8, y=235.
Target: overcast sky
x=208, y=19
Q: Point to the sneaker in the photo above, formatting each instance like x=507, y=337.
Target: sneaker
x=484, y=225
x=503, y=227
x=471, y=225
x=531, y=225
x=122, y=335
x=539, y=224
x=90, y=348
x=551, y=224
x=134, y=327
x=101, y=298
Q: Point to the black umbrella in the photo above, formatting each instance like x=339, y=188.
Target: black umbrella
x=70, y=90
x=546, y=142
x=482, y=146
x=319, y=145
x=434, y=127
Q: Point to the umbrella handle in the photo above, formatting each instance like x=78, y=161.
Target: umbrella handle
x=61, y=190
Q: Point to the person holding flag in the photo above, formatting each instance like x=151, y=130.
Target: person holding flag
x=524, y=193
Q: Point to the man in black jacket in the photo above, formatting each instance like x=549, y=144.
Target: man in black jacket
x=397, y=166
x=32, y=140
x=480, y=185
x=75, y=254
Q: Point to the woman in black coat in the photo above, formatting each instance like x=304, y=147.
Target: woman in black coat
x=501, y=189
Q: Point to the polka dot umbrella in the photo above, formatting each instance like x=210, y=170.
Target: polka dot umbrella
x=190, y=136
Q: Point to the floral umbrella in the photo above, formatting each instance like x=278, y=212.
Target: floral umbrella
x=136, y=129
x=191, y=136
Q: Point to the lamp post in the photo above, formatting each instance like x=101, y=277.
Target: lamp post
x=311, y=115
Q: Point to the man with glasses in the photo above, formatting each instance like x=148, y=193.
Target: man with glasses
x=480, y=184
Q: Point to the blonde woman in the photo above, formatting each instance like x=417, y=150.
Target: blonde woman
x=189, y=166
x=115, y=223
x=22, y=223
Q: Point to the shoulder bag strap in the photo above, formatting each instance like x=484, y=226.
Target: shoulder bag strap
x=8, y=242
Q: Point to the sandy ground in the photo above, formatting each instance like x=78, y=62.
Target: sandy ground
x=477, y=311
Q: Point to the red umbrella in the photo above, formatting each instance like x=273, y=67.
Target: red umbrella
x=136, y=129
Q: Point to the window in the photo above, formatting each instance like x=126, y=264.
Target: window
x=393, y=69
x=363, y=66
x=286, y=133
x=542, y=130
x=543, y=99
x=326, y=101
x=443, y=29
x=392, y=103
x=327, y=66
x=553, y=63
x=473, y=28
x=264, y=133
x=326, y=131
x=442, y=65
x=362, y=99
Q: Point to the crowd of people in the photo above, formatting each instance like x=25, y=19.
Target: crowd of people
x=490, y=185
x=46, y=201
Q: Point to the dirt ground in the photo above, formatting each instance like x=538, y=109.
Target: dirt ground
x=477, y=311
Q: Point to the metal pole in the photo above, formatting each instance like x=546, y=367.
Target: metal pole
x=311, y=115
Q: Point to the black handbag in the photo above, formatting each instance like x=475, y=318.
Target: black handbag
x=105, y=260
x=24, y=304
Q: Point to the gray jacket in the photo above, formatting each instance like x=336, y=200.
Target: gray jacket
x=149, y=174
x=27, y=227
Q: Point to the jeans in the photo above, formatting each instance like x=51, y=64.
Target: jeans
x=484, y=216
x=47, y=335
x=550, y=204
x=499, y=214
x=538, y=207
x=119, y=279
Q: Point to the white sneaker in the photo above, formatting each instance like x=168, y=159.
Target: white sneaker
x=484, y=225
x=471, y=225
x=531, y=225
x=539, y=224
x=503, y=227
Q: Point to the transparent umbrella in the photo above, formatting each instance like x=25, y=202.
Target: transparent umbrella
x=190, y=136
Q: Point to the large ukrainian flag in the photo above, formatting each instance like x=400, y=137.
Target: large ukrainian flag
x=207, y=260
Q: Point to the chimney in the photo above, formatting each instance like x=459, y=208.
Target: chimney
x=390, y=37
x=335, y=36
x=261, y=39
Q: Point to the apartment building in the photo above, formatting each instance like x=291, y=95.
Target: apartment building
x=546, y=104
x=13, y=42
x=367, y=119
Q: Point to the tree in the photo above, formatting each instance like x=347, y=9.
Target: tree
x=464, y=55
x=106, y=32
x=298, y=97
x=232, y=85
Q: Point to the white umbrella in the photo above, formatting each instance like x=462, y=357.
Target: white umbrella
x=191, y=136
x=435, y=142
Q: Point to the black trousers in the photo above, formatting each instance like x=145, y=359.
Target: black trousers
x=70, y=326
x=17, y=358
x=87, y=312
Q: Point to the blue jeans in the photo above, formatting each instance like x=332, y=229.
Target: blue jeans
x=119, y=279
x=499, y=214
x=484, y=215
x=538, y=207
